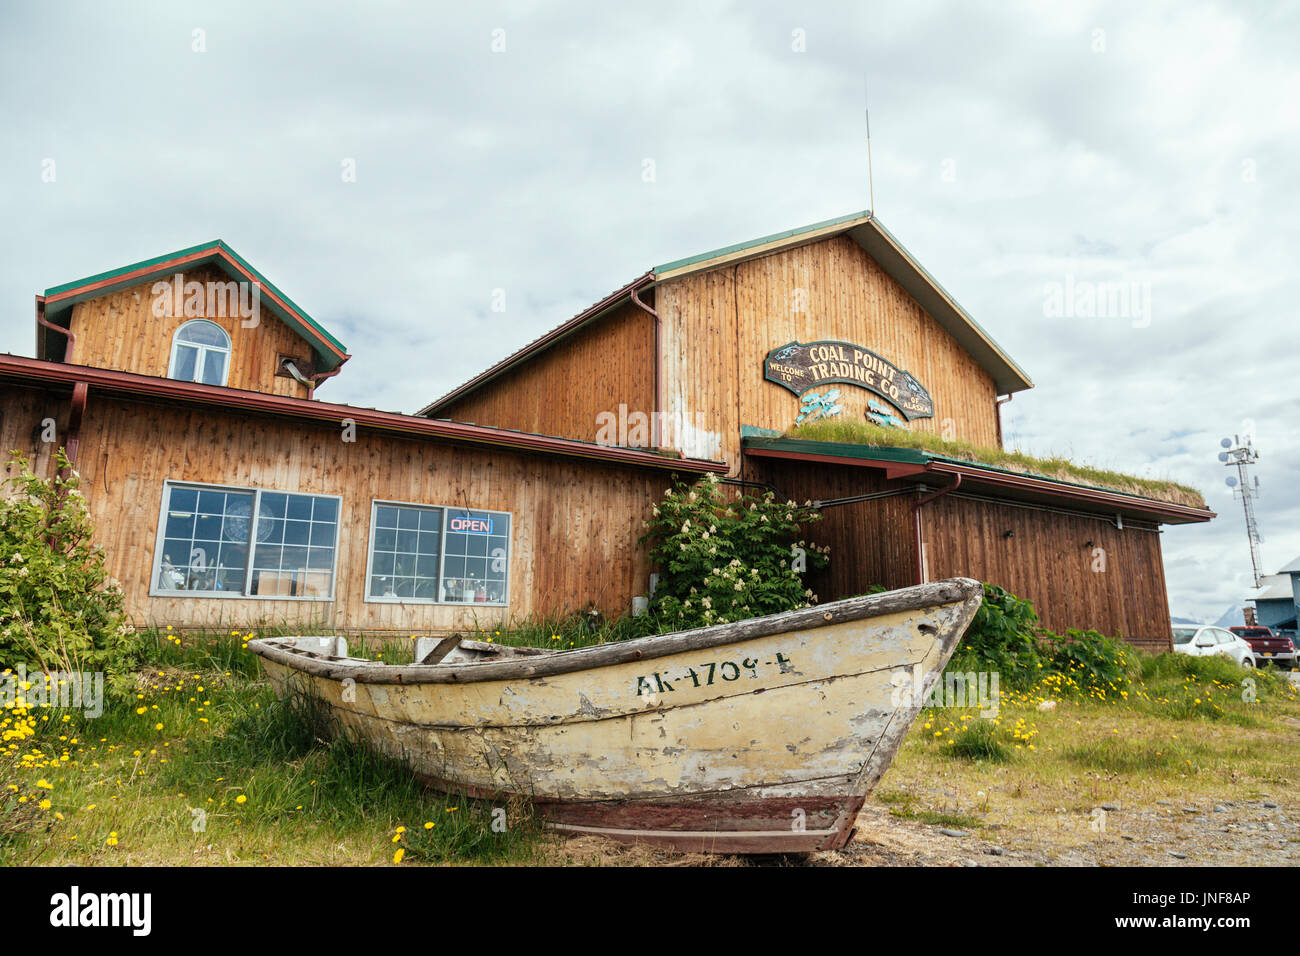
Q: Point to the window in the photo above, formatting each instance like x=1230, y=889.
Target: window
x=206, y=532
x=200, y=353
x=431, y=554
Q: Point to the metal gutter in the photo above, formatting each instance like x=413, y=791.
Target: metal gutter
x=302, y=409
x=43, y=322
x=659, y=401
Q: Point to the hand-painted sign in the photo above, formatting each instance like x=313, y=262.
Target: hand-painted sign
x=468, y=525
x=801, y=367
x=816, y=405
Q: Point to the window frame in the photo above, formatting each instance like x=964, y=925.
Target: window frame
x=375, y=504
x=228, y=352
x=160, y=541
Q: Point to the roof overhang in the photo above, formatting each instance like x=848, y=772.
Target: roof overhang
x=15, y=368
x=58, y=301
x=880, y=244
x=923, y=468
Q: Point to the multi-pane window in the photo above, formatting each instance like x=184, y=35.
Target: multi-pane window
x=423, y=553
x=200, y=353
x=207, y=531
x=405, y=552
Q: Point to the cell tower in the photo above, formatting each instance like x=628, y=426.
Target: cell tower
x=1241, y=455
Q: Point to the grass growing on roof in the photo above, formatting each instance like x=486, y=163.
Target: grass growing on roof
x=864, y=433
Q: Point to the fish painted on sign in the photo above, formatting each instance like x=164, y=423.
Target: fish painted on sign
x=815, y=405
x=879, y=414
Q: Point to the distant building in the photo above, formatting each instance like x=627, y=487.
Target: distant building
x=1278, y=598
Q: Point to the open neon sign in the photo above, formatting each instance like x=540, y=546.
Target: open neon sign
x=468, y=525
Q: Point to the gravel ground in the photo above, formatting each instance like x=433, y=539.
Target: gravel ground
x=1161, y=834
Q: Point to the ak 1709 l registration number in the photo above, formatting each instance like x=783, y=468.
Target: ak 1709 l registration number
x=704, y=675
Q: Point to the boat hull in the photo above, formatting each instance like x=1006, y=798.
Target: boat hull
x=742, y=739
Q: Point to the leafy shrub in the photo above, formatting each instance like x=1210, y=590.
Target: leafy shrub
x=1002, y=638
x=726, y=559
x=1091, y=658
x=58, y=610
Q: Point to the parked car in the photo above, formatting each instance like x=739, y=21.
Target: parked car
x=1267, y=645
x=1204, y=640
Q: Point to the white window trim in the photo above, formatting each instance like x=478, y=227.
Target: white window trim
x=442, y=555
x=160, y=538
x=203, y=351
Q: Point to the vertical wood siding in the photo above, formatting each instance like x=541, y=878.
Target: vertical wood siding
x=119, y=331
x=562, y=391
x=1046, y=560
x=720, y=325
x=574, y=530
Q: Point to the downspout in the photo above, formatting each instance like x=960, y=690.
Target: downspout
x=317, y=377
x=80, y=392
x=42, y=320
x=997, y=414
x=916, y=521
x=659, y=377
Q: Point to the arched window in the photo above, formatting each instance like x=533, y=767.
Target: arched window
x=200, y=353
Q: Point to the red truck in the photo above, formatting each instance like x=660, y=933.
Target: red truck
x=1267, y=646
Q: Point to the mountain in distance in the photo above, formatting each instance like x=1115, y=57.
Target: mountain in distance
x=1232, y=617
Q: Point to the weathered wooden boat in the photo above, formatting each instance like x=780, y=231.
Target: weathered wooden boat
x=763, y=736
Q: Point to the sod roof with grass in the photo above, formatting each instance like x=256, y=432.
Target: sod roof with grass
x=1056, y=469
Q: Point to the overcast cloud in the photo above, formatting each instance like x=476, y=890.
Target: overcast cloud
x=1015, y=146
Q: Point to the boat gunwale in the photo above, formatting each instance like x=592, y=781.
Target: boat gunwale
x=916, y=597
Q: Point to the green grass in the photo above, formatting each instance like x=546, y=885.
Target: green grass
x=938, y=818
x=865, y=433
x=171, y=793
x=979, y=740
x=203, y=764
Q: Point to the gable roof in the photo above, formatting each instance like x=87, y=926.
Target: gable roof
x=1293, y=567
x=1274, y=587
x=864, y=228
x=59, y=299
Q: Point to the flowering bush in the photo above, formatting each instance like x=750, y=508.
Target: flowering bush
x=57, y=607
x=722, y=560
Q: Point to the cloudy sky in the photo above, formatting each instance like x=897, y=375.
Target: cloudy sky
x=1019, y=148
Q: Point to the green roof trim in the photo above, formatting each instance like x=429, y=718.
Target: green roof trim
x=326, y=345
x=112, y=273
x=836, y=449
x=916, y=456
x=774, y=237
x=899, y=263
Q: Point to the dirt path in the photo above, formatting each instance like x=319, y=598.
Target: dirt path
x=1162, y=834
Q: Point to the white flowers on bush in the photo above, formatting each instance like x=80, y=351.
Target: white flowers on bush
x=723, y=555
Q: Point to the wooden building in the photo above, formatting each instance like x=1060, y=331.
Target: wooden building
x=722, y=352
x=226, y=493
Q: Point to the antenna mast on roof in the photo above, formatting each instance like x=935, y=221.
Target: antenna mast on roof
x=1242, y=455
x=871, y=189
